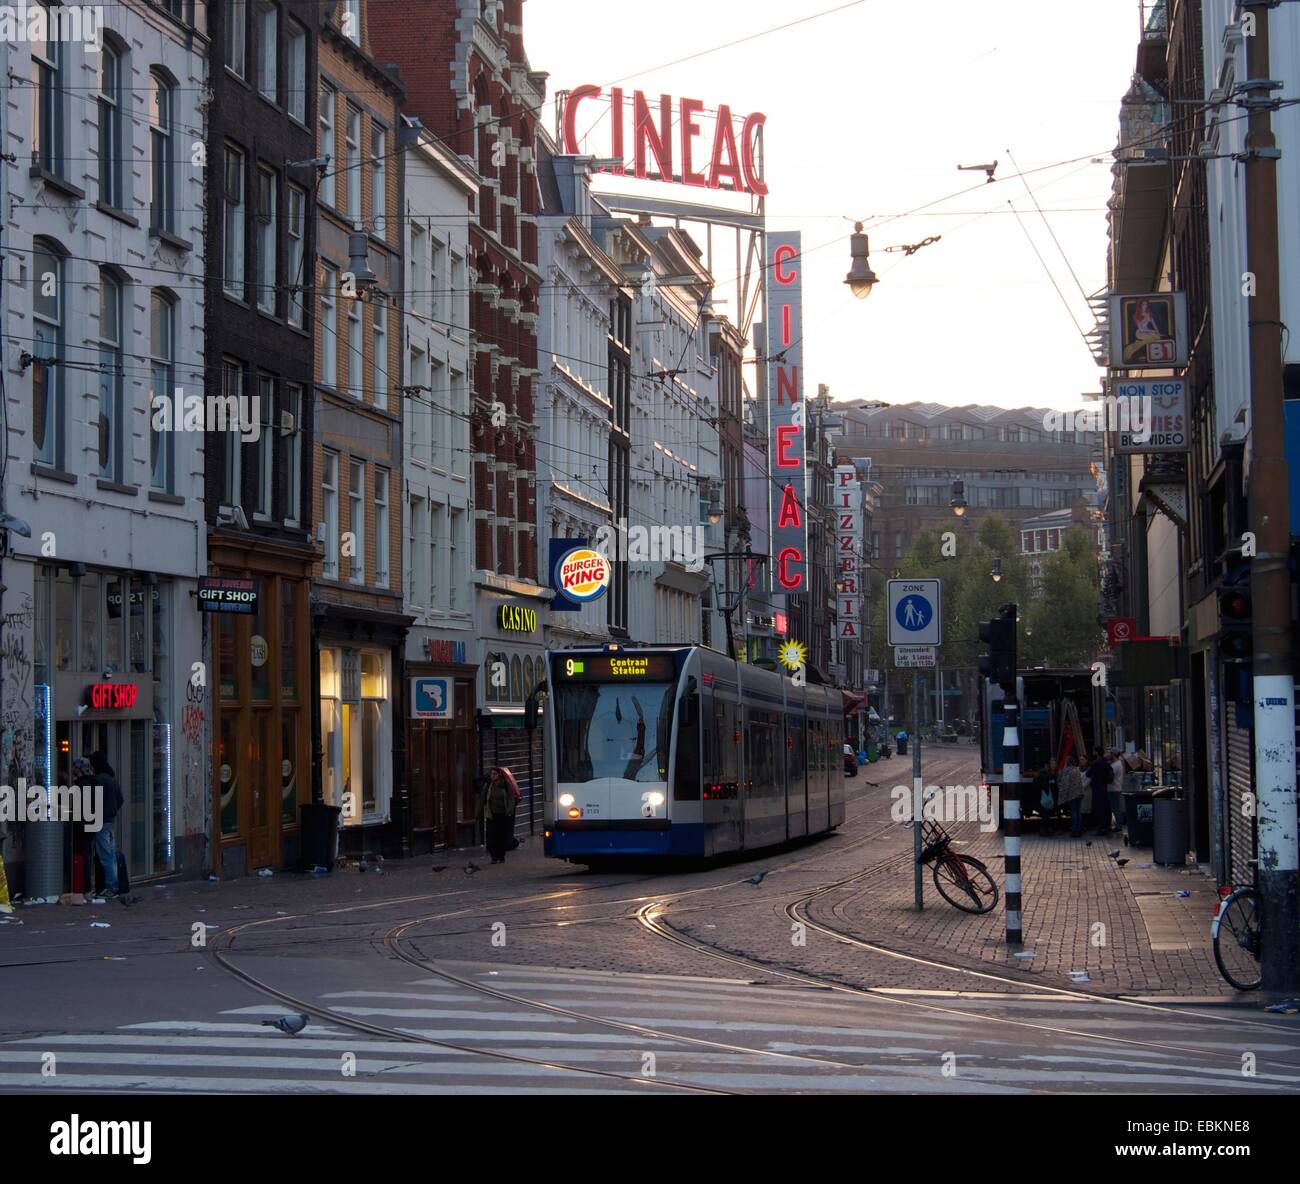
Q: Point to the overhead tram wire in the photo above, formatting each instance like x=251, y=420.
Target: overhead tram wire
x=1057, y=241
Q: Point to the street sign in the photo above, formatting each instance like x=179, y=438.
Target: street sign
x=915, y=613
x=1119, y=629
x=914, y=657
x=432, y=698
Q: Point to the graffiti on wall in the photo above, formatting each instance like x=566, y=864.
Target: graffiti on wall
x=195, y=785
x=17, y=718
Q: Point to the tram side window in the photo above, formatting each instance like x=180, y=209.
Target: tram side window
x=686, y=773
x=728, y=750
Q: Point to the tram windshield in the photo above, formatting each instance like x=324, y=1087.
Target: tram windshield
x=613, y=731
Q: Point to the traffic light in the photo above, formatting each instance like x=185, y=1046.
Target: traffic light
x=1236, y=640
x=999, y=664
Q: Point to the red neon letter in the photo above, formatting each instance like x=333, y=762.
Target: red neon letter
x=571, y=116
x=787, y=383
x=789, y=516
x=748, y=143
x=660, y=140
x=616, y=127
x=787, y=581
x=724, y=138
x=787, y=438
x=690, y=129
x=782, y=255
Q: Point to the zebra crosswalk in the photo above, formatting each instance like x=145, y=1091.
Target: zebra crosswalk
x=660, y=1032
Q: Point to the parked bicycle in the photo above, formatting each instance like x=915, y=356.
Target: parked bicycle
x=963, y=881
x=1236, y=936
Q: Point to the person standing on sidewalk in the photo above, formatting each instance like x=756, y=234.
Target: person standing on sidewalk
x=499, y=801
x=1099, y=776
x=1070, y=792
x=110, y=796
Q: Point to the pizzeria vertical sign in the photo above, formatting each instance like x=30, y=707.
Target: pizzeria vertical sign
x=848, y=535
x=786, y=431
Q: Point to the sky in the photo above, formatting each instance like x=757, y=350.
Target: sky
x=869, y=112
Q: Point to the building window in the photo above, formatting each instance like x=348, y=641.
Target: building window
x=417, y=541
x=297, y=231
x=233, y=226
x=381, y=527
x=162, y=161
x=297, y=68
x=162, y=352
x=356, y=732
x=437, y=565
x=265, y=444
x=232, y=390
x=110, y=127
x=330, y=514
x=236, y=37
x=293, y=453
x=48, y=123
x=418, y=416
x=459, y=558
x=357, y=520
x=356, y=354
x=266, y=239
x=352, y=145
x=327, y=185
x=352, y=20
x=111, y=413
x=379, y=177
x=458, y=294
x=47, y=349
x=329, y=319
x=267, y=20
x=380, y=325
x=436, y=283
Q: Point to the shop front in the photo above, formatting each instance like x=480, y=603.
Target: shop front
x=361, y=745
x=106, y=679
x=261, y=735
x=513, y=664
x=441, y=758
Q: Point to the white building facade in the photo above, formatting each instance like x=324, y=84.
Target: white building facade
x=103, y=331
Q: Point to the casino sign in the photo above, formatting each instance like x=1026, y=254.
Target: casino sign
x=583, y=574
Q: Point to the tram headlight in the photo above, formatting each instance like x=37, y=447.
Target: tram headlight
x=566, y=800
x=654, y=798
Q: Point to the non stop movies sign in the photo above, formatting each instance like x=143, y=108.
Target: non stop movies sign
x=785, y=412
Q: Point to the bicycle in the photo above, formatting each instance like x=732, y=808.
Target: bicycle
x=962, y=880
x=1236, y=937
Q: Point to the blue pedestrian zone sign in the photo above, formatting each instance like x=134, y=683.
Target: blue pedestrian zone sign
x=915, y=615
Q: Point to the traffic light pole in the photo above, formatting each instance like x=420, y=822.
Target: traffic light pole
x=917, y=805
x=1011, y=816
x=1273, y=684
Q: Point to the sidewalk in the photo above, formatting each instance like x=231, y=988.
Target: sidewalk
x=1126, y=927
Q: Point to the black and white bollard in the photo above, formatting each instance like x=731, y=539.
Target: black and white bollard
x=1011, y=815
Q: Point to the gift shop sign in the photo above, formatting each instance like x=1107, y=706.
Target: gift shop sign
x=721, y=151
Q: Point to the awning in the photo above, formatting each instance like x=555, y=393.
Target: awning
x=853, y=703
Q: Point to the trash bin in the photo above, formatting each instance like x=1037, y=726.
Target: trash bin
x=44, y=879
x=873, y=753
x=902, y=746
x=1169, y=818
x=320, y=835
x=1138, y=818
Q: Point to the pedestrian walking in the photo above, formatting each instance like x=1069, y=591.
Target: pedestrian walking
x=1116, y=788
x=1070, y=791
x=96, y=771
x=1045, y=796
x=1099, y=778
x=500, y=797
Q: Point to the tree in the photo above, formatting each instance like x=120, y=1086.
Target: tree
x=1062, y=621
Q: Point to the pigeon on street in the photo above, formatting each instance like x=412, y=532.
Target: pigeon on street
x=471, y=868
x=1120, y=862
x=290, y=1025
x=440, y=868
x=757, y=878
x=1113, y=854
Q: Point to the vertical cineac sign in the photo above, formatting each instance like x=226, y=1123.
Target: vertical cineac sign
x=786, y=432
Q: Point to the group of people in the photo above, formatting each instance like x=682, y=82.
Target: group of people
x=1086, y=786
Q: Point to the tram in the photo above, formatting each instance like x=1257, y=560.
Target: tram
x=680, y=751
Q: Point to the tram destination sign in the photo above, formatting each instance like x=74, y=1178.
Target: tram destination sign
x=615, y=668
x=228, y=594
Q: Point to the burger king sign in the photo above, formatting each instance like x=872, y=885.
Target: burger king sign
x=582, y=574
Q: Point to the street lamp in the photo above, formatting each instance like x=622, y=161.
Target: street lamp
x=861, y=279
x=957, y=503
x=996, y=573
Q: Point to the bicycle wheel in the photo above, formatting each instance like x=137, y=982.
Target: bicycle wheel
x=964, y=882
x=1236, y=933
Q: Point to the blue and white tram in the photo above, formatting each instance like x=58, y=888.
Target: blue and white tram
x=679, y=751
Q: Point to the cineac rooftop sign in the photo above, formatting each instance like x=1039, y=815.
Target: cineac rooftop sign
x=727, y=156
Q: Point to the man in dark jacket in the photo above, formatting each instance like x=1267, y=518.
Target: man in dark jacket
x=1099, y=778
x=99, y=773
